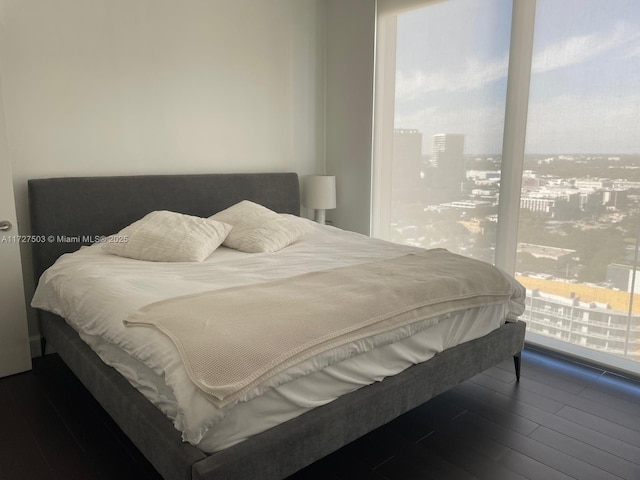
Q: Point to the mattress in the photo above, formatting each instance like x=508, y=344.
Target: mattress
x=95, y=292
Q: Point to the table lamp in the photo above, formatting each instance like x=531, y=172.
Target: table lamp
x=319, y=193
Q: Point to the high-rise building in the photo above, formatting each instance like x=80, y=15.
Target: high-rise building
x=447, y=160
x=407, y=164
x=590, y=324
x=447, y=155
x=407, y=151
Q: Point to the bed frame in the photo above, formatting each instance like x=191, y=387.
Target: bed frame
x=66, y=209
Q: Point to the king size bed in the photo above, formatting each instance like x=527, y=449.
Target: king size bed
x=274, y=421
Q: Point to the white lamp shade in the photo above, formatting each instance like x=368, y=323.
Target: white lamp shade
x=319, y=192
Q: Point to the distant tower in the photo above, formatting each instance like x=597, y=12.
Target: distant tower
x=447, y=158
x=407, y=150
x=407, y=158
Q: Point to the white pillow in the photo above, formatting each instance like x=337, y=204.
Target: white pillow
x=163, y=236
x=256, y=228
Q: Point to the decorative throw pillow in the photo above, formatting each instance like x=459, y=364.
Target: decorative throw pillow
x=164, y=236
x=256, y=228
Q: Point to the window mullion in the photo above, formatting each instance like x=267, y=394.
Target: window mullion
x=384, y=105
x=515, y=126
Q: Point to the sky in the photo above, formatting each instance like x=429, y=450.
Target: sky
x=452, y=63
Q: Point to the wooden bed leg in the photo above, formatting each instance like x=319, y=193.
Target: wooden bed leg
x=43, y=345
x=516, y=363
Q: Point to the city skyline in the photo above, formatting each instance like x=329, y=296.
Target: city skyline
x=451, y=75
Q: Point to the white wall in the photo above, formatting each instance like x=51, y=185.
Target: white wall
x=349, y=109
x=110, y=87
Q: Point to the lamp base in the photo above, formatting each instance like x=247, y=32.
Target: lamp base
x=320, y=216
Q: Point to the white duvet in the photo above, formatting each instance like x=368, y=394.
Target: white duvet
x=96, y=291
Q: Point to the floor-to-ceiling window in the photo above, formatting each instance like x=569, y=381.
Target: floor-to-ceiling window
x=439, y=171
x=580, y=203
x=443, y=172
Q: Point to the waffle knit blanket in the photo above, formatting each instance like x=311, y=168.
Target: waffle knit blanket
x=235, y=342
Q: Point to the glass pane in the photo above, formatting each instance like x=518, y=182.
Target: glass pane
x=450, y=88
x=580, y=205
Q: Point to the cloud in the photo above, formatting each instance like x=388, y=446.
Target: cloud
x=580, y=48
x=415, y=84
x=574, y=124
x=634, y=51
x=475, y=74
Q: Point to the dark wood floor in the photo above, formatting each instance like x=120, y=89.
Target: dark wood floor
x=561, y=421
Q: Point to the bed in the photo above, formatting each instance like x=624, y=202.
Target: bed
x=75, y=211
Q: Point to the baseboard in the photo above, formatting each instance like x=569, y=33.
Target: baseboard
x=580, y=360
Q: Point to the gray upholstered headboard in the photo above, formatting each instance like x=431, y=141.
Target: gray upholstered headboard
x=65, y=209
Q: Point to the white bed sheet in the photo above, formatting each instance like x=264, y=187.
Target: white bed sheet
x=95, y=292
